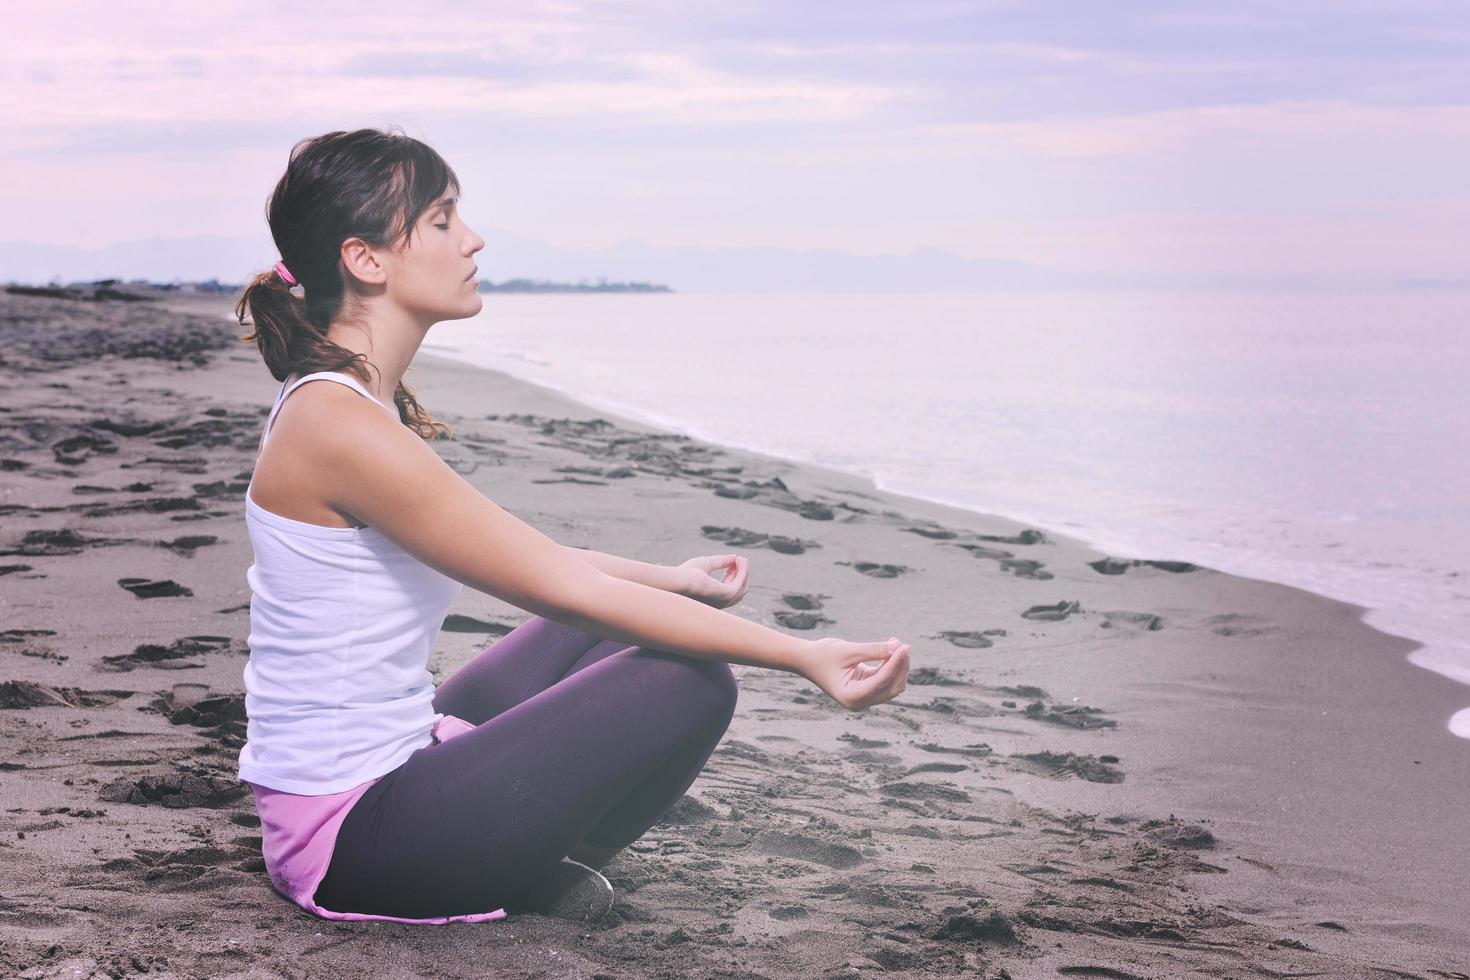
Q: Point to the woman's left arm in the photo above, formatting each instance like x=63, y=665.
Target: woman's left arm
x=666, y=577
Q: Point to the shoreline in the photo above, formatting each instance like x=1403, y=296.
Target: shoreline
x=1425, y=654
x=1142, y=768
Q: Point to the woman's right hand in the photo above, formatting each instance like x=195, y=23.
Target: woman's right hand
x=845, y=672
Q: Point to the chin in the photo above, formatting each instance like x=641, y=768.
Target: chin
x=466, y=310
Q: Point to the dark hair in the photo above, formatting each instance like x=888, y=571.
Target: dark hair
x=370, y=184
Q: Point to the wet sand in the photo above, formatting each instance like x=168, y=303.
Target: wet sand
x=1104, y=765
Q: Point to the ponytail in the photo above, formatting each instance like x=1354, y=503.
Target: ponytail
x=290, y=342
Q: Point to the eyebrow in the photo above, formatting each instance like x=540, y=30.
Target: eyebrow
x=448, y=201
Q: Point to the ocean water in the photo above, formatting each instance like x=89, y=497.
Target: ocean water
x=1317, y=438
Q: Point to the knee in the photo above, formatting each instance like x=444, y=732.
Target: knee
x=726, y=690
x=712, y=684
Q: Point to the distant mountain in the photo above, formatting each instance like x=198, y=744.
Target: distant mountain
x=509, y=256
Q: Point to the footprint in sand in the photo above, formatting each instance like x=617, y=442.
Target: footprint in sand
x=186, y=545
x=773, y=492
x=193, y=704
x=176, y=791
x=970, y=639
x=1027, y=691
x=1175, y=833
x=127, y=429
x=1053, y=613
x=1027, y=536
x=459, y=623
x=1117, y=566
x=77, y=449
x=806, y=847
x=739, y=537
x=175, y=656
x=190, y=465
x=221, y=488
x=22, y=636
x=875, y=569
x=27, y=694
x=151, y=505
x=932, y=675
x=1140, y=620
x=857, y=741
x=938, y=767
x=179, y=867
x=688, y=811
x=52, y=543
x=1106, y=972
x=802, y=620
x=1063, y=764
x=1020, y=567
x=1069, y=715
x=1238, y=624
x=933, y=533
x=146, y=589
x=977, y=750
x=904, y=790
x=221, y=715
x=573, y=479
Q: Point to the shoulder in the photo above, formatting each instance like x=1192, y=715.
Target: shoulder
x=322, y=405
x=327, y=421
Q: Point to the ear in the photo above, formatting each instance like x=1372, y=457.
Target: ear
x=360, y=260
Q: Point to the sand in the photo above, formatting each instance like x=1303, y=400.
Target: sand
x=1104, y=765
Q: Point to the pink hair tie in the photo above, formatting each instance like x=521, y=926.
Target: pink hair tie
x=285, y=273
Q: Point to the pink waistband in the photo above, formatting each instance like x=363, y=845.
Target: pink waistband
x=299, y=833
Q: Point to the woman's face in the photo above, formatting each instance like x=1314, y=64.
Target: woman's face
x=434, y=276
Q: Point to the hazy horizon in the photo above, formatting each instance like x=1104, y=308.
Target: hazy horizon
x=730, y=269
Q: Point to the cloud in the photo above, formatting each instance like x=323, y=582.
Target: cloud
x=537, y=63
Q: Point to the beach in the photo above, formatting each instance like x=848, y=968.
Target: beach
x=1104, y=764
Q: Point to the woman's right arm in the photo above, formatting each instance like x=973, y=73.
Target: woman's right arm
x=386, y=476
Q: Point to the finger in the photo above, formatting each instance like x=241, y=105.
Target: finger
x=893, y=673
x=863, y=652
x=878, y=684
x=895, y=664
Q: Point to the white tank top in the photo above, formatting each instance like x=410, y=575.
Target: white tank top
x=337, y=689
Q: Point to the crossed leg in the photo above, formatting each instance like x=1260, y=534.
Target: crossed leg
x=581, y=745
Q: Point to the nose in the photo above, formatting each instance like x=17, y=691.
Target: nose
x=474, y=243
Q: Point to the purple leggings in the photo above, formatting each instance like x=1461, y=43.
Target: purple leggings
x=577, y=740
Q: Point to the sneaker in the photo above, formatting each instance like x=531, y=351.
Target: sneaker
x=570, y=890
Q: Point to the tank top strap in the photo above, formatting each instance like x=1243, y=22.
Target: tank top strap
x=289, y=386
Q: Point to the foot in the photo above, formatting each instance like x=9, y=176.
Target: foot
x=593, y=857
x=570, y=890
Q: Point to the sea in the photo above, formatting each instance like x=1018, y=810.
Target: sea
x=1316, y=437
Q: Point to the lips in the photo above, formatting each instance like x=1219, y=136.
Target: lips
x=473, y=272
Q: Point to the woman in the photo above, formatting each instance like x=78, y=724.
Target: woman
x=381, y=797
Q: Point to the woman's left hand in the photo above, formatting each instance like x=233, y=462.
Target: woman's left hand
x=713, y=591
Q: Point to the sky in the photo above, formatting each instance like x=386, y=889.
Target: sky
x=1322, y=139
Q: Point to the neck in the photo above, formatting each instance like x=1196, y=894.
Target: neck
x=388, y=342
